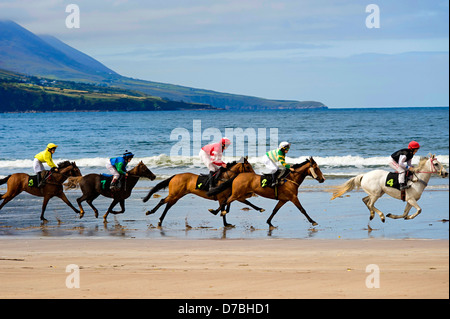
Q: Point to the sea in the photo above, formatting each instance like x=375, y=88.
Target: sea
x=344, y=142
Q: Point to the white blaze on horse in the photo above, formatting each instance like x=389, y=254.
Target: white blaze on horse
x=374, y=184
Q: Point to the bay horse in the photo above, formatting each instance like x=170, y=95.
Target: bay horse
x=247, y=184
x=91, y=188
x=20, y=182
x=374, y=184
x=185, y=183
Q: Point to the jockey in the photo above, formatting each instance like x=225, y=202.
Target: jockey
x=273, y=157
x=44, y=156
x=118, y=166
x=401, y=161
x=211, y=156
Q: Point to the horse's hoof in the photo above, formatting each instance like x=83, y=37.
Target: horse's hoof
x=229, y=226
x=223, y=213
x=272, y=227
x=314, y=224
x=388, y=215
x=81, y=215
x=96, y=215
x=213, y=211
x=262, y=210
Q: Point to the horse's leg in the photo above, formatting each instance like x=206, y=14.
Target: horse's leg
x=372, y=212
x=224, y=218
x=300, y=207
x=44, y=206
x=161, y=202
x=9, y=195
x=275, y=210
x=405, y=212
x=66, y=200
x=413, y=202
x=259, y=209
x=169, y=204
x=114, y=203
x=89, y=201
x=122, y=208
x=370, y=202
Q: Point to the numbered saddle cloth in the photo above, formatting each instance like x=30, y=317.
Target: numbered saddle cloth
x=202, y=182
x=33, y=181
x=392, y=180
x=106, y=179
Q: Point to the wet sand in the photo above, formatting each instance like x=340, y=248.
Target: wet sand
x=222, y=269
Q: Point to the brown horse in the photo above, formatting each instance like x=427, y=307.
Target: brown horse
x=19, y=182
x=91, y=187
x=247, y=184
x=185, y=183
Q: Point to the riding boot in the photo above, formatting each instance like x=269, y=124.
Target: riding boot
x=211, y=179
x=113, y=185
x=274, y=179
x=40, y=178
x=403, y=186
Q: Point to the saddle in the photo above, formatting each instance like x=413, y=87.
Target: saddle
x=203, y=182
x=392, y=181
x=267, y=179
x=106, y=179
x=34, y=180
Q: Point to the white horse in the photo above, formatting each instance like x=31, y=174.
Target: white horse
x=374, y=184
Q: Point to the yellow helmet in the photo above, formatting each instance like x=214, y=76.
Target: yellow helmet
x=51, y=145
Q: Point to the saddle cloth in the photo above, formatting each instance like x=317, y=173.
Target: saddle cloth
x=266, y=179
x=392, y=180
x=202, y=182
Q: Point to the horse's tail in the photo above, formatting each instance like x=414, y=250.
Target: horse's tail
x=347, y=186
x=220, y=188
x=157, y=188
x=72, y=182
x=4, y=180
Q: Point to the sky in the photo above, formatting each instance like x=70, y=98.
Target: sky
x=341, y=53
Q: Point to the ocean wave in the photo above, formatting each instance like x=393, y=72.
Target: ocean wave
x=166, y=161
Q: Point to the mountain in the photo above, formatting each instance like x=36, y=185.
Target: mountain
x=24, y=52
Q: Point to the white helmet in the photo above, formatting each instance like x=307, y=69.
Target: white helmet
x=285, y=145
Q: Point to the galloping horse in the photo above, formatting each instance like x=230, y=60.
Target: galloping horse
x=91, y=187
x=19, y=182
x=185, y=183
x=374, y=184
x=247, y=184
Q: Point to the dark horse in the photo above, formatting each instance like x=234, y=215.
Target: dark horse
x=91, y=187
x=19, y=182
x=247, y=184
x=185, y=183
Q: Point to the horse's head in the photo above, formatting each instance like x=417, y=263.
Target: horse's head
x=69, y=168
x=435, y=166
x=241, y=166
x=310, y=167
x=315, y=171
x=142, y=170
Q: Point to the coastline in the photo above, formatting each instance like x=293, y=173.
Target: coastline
x=223, y=269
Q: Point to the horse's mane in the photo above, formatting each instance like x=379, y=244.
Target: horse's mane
x=300, y=164
x=64, y=164
x=422, y=162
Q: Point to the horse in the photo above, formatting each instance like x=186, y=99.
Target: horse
x=19, y=182
x=374, y=184
x=247, y=184
x=186, y=183
x=91, y=188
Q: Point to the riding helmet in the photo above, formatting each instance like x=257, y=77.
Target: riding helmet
x=413, y=145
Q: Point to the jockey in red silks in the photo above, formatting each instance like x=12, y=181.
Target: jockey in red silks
x=211, y=156
x=401, y=161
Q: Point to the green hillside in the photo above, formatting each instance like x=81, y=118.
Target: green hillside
x=20, y=93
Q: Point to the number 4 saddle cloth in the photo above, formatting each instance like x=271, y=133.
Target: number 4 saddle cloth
x=392, y=180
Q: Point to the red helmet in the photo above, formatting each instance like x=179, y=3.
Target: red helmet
x=226, y=141
x=413, y=145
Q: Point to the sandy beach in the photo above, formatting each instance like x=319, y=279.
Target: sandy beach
x=209, y=268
